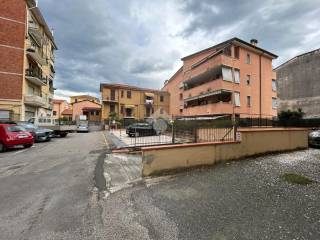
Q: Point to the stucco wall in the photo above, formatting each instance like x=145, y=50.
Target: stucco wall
x=252, y=142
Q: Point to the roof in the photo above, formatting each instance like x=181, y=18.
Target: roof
x=37, y=13
x=58, y=101
x=91, y=108
x=67, y=112
x=86, y=100
x=87, y=96
x=232, y=40
x=174, y=75
x=298, y=56
x=130, y=87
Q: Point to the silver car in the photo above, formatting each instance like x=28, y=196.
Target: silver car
x=83, y=128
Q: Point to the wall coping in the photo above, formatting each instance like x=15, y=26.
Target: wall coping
x=185, y=145
x=258, y=129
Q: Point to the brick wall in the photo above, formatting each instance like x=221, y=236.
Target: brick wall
x=12, y=37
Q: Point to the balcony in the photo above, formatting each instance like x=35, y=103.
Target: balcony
x=109, y=99
x=36, y=35
x=35, y=77
x=209, y=109
x=34, y=100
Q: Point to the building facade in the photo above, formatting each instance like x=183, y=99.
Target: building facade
x=130, y=102
x=299, y=84
x=80, y=98
x=26, y=62
x=86, y=107
x=234, y=78
x=60, y=106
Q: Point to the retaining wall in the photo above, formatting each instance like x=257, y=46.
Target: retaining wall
x=250, y=142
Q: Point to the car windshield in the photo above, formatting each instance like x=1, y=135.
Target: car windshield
x=15, y=129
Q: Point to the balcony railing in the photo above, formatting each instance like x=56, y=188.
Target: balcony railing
x=149, y=101
x=211, y=108
x=34, y=100
x=109, y=99
x=35, y=77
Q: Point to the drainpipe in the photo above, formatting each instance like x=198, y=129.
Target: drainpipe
x=260, y=91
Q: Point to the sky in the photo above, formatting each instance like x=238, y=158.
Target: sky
x=141, y=42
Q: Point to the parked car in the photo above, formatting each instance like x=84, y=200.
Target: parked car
x=314, y=138
x=12, y=135
x=83, y=128
x=39, y=134
x=141, y=129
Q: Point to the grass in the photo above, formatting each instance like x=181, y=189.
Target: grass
x=296, y=179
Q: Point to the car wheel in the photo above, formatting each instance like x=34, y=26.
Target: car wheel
x=27, y=145
x=2, y=147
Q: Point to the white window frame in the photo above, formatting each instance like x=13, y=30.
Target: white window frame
x=237, y=76
x=274, y=85
x=227, y=74
x=237, y=101
x=274, y=103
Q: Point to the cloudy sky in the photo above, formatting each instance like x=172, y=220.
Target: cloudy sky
x=141, y=42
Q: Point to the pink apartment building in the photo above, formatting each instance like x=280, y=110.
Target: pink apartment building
x=233, y=78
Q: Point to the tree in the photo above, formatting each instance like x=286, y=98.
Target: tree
x=291, y=115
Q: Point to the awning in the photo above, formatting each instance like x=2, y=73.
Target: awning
x=35, y=34
x=149, y=94
x=35, y=57
x=129, y=106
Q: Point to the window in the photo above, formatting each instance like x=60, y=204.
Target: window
x=122, y=93
x=113, y=94
x=274, y=85
x=274, y=103
x=161, y=98
x=76, y=100
x=249, y=101
x=54, y=113
x=248, y=59
x=121, y=109
x=112, y=108
x=248, y=79
x=227, y=74
x=237, y=99
x=128, y=94
x=237, y=76
x=237, y=52
x=92, y=113
x=227, y=51
x=181, y=96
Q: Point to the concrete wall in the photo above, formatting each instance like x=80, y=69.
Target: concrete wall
x=253, y=142
x=298, y=84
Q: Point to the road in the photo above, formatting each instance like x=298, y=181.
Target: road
x=50, y=190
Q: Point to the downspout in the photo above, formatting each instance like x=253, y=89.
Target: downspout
x=260, y=86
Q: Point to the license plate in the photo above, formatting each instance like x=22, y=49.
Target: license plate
x=23, y=136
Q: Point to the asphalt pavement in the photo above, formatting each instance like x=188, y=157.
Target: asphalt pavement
x=50, y=192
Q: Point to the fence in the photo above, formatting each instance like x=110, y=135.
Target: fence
x=267, y=122
x=177, y=133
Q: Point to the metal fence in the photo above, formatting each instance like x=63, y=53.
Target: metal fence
x=267, y=122
x=178, y=132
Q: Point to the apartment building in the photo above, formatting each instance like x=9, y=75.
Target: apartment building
x=233, y=78
x=130, y=102
x=26, y=62
x=299, y=85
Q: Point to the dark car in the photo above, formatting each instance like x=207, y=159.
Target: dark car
x=39, y=134
x=12, y=135
x=140, y=129
x=314, y=138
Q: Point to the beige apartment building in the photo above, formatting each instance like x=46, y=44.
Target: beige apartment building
x=233, y=79
x=130, y=102
x=80, y=98
x=27, y=62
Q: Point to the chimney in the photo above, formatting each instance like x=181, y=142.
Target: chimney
x=254, y=42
